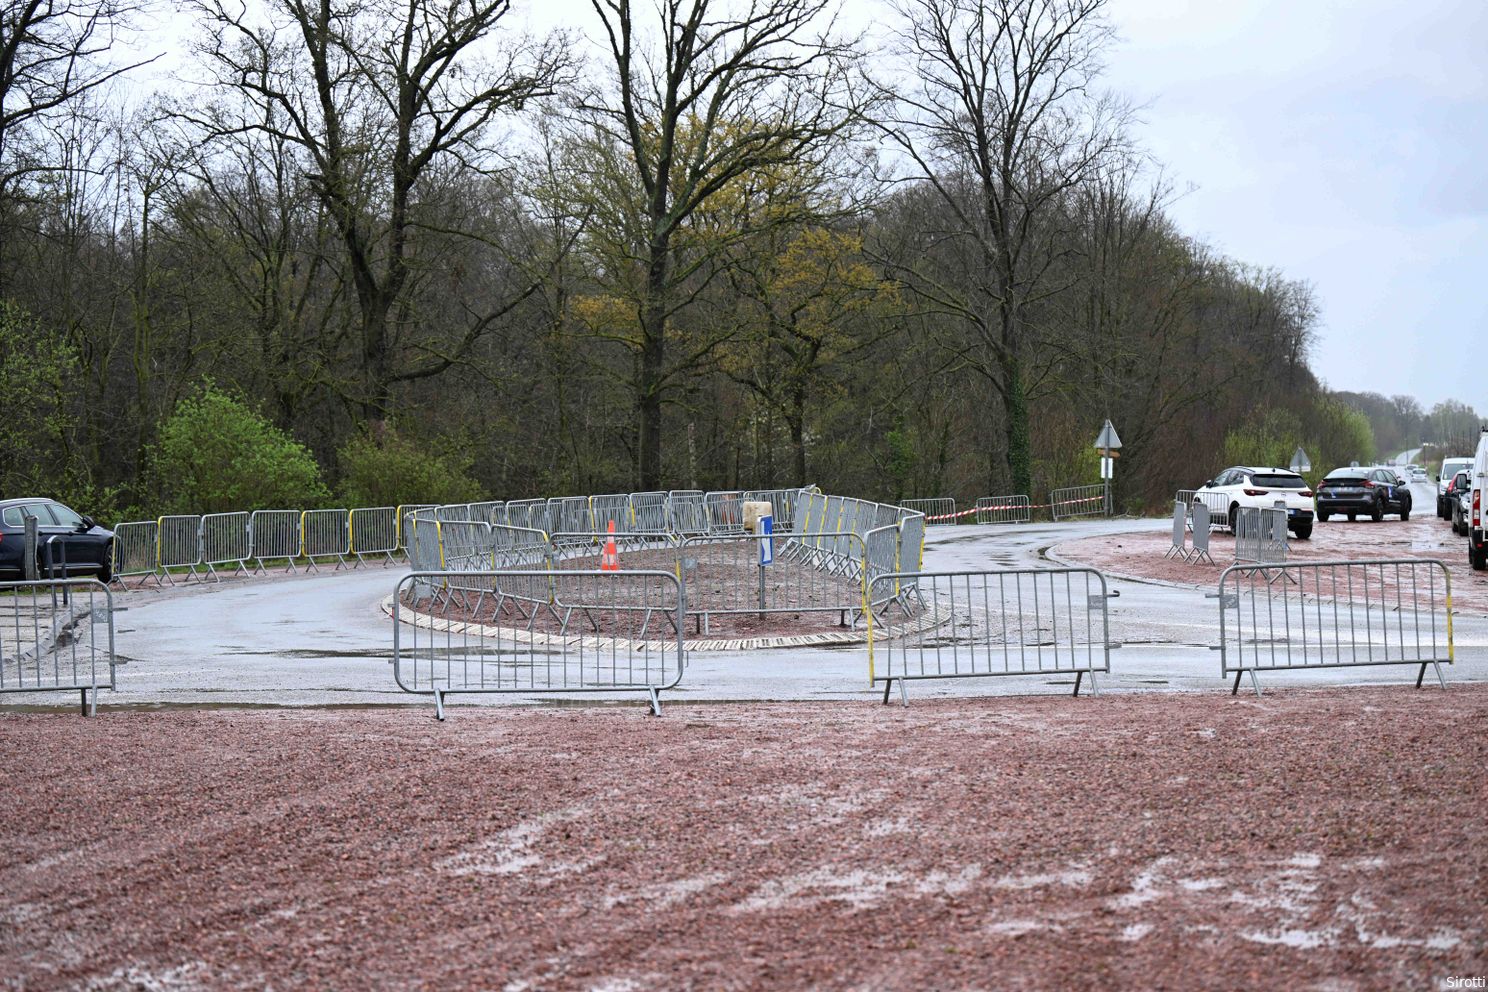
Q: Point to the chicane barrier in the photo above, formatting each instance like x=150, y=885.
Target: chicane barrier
x=783, y=506
x=374, y=531
x=570, y=514
x=276, y=537
x=1198, y=515
x=1334, y=615
x=1004, y=510
x=1078, y=501
x=596, y=632
x=136, y=550
x=996, y=623
x=179, y=544
x=491, y=512
x=226, y=539
x=942, y=508
x=57, y=636
x=325, y=534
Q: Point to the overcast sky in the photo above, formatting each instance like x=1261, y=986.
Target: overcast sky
x=1343, y=143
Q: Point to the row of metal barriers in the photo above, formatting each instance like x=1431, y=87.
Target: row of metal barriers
x=1064, y=504
x=606, y=632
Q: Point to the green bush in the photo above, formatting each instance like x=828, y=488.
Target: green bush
x=387, y=469
x=216, y=455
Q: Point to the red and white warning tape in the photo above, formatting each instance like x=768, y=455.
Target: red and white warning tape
x=1013, y=506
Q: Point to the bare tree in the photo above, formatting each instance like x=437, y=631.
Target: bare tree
x=722, y=90
x=382, y=98
x=996, y=111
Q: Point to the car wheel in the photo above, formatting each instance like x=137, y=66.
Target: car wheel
x=1441, y=508
x=1234, y=512
x=1322, y=518
x=1352, y=517
x=1303, y=531
x=1479, y=559
x=1378, y=513
x=1405, y=512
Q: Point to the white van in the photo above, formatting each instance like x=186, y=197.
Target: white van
x=1449, y=468
x=1477, y=541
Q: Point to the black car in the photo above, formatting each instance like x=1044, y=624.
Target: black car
x=1459, y=494
x=88, y=547
x=1357, y=492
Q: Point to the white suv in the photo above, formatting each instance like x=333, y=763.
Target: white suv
x=1247, y=485
x=1449, y=468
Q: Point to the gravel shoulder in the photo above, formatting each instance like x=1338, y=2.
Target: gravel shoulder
x=1311, y=839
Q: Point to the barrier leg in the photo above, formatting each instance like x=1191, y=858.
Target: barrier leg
x=1078, y=677
x=438, y=705
x=1439, y=677
x=1235, y=689
x=888, y=684
x=84, y=693
x=655, y=702
x=1421, y=675
x=1255, y=683
x=1094, y=690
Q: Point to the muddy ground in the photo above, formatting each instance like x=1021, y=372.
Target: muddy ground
x=1326, y=839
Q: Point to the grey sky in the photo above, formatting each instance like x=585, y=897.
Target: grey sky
x=1345, y=144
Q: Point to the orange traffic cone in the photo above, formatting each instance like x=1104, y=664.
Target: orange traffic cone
x=609, y=561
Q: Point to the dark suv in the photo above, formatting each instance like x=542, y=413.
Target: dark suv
x=87, y=546
x=1360, y=491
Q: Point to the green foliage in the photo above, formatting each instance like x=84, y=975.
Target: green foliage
x=37, y=417
x=388, y=469
x=1333, y=434
x=216, y=455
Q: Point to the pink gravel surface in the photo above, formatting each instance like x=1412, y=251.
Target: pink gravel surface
x=1140, y=554
x=1323, y=839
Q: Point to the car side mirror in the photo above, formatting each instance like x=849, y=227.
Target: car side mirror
x=88, y=523
x=1208, y=484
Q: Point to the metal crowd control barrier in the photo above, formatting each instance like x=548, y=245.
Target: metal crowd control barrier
x=1218, y=505
x=490, y=512
x=179, y=544
x=402, y=514
x=648, y=511
x=1198, y=515
x=1004, y=510
x=226, y=539
x=936, y=507
x=1078, y=501
x=811, y=573
x=1335, y=614
x=585, y=549
x=570, y=514
x=1260, y=534
x=598, y=632
x=610, y=508
x=725, y=512
x=988, y=624
x=276, y=536
x=687, y=513
x=325, y=534
x=374, y=531
x=1179, y=548
x=136, y=550
x=57, y=636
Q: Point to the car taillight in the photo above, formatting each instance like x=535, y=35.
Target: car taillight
x=1255, y=492
x=1368, y=484
x=1306, y=494
x=1477, y=507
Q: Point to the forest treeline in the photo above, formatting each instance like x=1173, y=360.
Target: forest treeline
x=400, y=251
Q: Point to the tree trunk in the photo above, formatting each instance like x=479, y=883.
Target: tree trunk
x=1019, y=449
x=797, y=421
x=653, y=358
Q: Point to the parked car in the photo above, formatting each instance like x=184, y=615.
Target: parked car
x=87, y=546
x=1248, y=485
x=1449, y=468
x=1357, y=492
x=1477, y=506
x=1418, y=474
x=1459, y=493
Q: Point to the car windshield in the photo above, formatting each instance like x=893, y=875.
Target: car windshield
x=1452, y=466
x=1279, y=481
